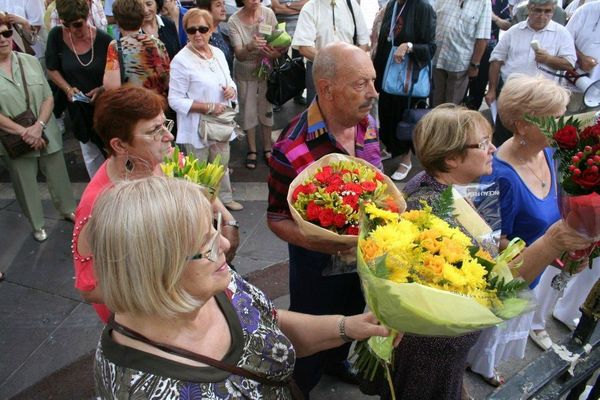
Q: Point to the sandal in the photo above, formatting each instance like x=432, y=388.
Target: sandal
x=496, y=380
x=265, y=157
x=251, y=162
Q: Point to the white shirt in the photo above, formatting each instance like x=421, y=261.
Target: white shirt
x=192, y=79
x=584, y=25
x=574, y=5
x=315, y=26
x=32, y=10
x=514, y=48
x=459, y=25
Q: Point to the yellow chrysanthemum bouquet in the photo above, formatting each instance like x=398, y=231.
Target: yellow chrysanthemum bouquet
x=422, y=276
x=206, y=174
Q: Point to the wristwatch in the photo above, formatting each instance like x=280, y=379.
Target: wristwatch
x=472, y=64
x=233, y=223
x=42, y=123
x=409, y=46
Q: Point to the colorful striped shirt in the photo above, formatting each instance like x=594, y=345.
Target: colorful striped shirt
x=304, y=140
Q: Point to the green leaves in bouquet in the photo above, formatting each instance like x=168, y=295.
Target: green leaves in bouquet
x=444, y=207
x=506, y=290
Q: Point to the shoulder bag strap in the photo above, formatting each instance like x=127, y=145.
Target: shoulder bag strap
x=121, y=61
x=123, y=330
x=355, y=36
x=24, y=80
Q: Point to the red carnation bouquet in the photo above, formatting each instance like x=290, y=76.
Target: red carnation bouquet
x=577, y=143
x=324, y=199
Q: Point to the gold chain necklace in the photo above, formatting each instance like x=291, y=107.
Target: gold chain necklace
x=543, y=183
x=75, y=50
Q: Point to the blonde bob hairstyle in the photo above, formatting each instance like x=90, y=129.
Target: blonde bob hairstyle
x=444, y=132
x=141, y=233
x=198, y=13
x=530, y=95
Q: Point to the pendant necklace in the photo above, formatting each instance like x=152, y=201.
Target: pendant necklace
x=75, y=51
x=211, y=61
x=534, y=174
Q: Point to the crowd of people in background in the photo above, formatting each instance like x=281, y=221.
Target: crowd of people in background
x=134, y=77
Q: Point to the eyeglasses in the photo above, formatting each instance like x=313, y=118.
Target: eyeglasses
x=159, y=132
x=483, y=145
x=541, y=11
x=191, y=30
x=215, y=244
x=73, y=24
x=7, y=33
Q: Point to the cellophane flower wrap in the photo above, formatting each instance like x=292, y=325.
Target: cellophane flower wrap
x=576, y=141
x=422, y=276
x=206, y=174
x=278, y=39
x=324, y=199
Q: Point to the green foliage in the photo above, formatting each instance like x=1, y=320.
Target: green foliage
x=506, y=290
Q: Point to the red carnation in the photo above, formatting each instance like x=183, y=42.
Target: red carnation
x=351, y=200
x=312, y=211
x=369, y=186
x=566, y=137
x=353, y=187
x=339, y=220
x=588, y=179
x=309, y=188
x=333, y=189
x=378, y=176
x=335, y=180
x=326, y=217
x=324, y=175
x=352, y=230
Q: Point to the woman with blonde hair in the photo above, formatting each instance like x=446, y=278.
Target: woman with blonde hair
x=524, y=169
x=185, y=325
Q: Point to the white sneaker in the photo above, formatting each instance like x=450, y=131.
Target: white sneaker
x=398, y=175
x=541, y=338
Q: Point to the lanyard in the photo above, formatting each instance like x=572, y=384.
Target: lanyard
x=391, y=34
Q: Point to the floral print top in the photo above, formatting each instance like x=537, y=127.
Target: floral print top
x=146, y=62
x=258, y=345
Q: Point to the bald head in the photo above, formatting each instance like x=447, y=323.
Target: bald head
x=334, y=57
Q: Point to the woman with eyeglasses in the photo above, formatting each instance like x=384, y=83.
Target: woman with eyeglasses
x=200, y=85
x=454, y=146
x=75, y=58
x=23, y=85
x=132, y=124
x=185, y=325
x=138, y=59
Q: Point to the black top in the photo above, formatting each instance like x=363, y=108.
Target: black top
x=418, y=28
x=169, y=36
x=59, y=57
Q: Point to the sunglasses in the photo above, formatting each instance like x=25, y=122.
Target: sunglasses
x=7, y=33
x=76, y=24
x=191, y=30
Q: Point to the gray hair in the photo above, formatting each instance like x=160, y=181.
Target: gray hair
x=325, y=63
x=541, y=2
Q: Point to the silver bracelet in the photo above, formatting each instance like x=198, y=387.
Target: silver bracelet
x=211, y=108
x=342, y=330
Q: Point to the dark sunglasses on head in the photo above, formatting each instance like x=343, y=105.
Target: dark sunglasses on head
x=7, y=33
x=191, y=30
x=76, y=24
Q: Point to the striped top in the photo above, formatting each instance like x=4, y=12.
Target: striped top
x=304, y=140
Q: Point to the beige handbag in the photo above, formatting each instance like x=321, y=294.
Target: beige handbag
x=218, y=128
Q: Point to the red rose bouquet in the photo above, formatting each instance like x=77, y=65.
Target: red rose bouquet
x=577, y=143
x=324, y=199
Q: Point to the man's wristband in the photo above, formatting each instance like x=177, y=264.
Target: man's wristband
x=472, y=64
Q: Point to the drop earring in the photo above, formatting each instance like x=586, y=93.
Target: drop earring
x=129, y=165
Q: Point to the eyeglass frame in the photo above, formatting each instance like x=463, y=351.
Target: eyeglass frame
x=537, y=11
x=159, y=133
x=215, y=245
x=483, y=145
x=71, y=24
x=7, y=34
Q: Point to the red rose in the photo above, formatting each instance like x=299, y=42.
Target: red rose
x=588, y=179
x=369, y=186
x=566, y=138
x=309, y=188
x=312, y=211
x=339, y=220
x=378, y=176
x=335, y=180
x=326, y=217
x=352, y=230
x=591, y=132
x=333, y=189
